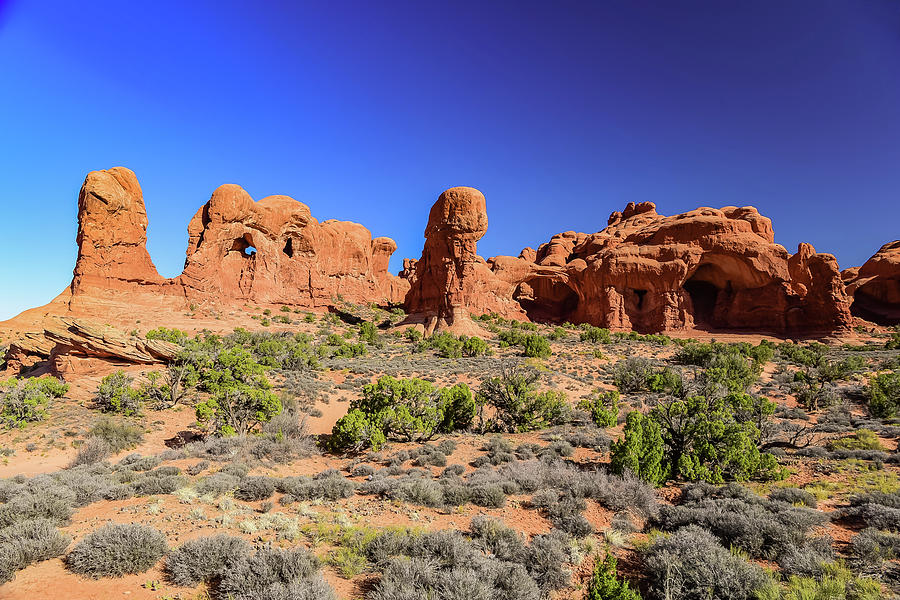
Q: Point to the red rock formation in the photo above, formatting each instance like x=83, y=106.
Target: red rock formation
x=708, y=268
x=450, y=279
x=274, y=252
x=112, y=234
x=875, y=286
x=267, y=252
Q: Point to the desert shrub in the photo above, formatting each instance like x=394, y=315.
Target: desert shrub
x=488, y=495
x=862, y=439
x=328, y=485
x=518, y=405
x=52, y=502
x=355, y=432
x=402, y=409
x=92, y=451
x=119, y=435
x=255, y=488
x=275, y=573
x=217, y=484
x=794, y=496
x=116, y=395
x=446, y=565
x=26, y=401
x=641, y=450
x=596, y=335
x=446, y=344
x=536, y=346
x=834, y=582
x=241, y=398
x=566, y=515
x=870, y=548
x=496, y=538
x=117, y=550
x=27, y=542
x=706, y=439
x=884, y=394
x=630, y=375
x=873, y=514
x=368, y=332
x=363, y=471
x=205, y=559
x=160, y=481
x=604, y=408
x=11, y=560
x=690, y=564
x=475, y=346
x=606, y=585
x=742, y=519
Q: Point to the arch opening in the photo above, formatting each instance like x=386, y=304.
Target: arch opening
x=244, y=246
x=546, y=300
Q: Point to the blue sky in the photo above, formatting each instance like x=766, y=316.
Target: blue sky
x=560, y=112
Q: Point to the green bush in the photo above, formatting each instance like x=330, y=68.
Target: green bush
x=535, y=346
x=604, y=408
x=26, y=401
x=368, y=332
x=447, y=345
x=117, y=396
x=862, y=439
x=402, y=409
x=117, y=550
x=475, y=346
x=517, y=404
x=240, y=398
x=641, y=450
x=355, y=432
x=605, y=584
x=702, y=439
x=596, y=335
x=884, y=394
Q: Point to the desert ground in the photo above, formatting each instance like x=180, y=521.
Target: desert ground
x=522, y=499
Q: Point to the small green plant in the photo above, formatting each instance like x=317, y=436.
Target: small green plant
x=116, y=395
x=536, y=346
x=863, y=439
x=596, y=335
x=604, y=408
x=606, y=585
x=25, y=401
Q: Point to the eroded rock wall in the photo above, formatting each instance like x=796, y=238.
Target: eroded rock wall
x=708, y=269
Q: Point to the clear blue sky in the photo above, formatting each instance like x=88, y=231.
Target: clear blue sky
x=560, y=112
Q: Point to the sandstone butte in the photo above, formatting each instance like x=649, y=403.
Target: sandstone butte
x=707, y=269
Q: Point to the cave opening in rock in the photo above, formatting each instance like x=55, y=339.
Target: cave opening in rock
x=869, y=303
x=289, y=248
x=244, y=246
x=703, y=293
x=547, y=300
x=640, y=298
